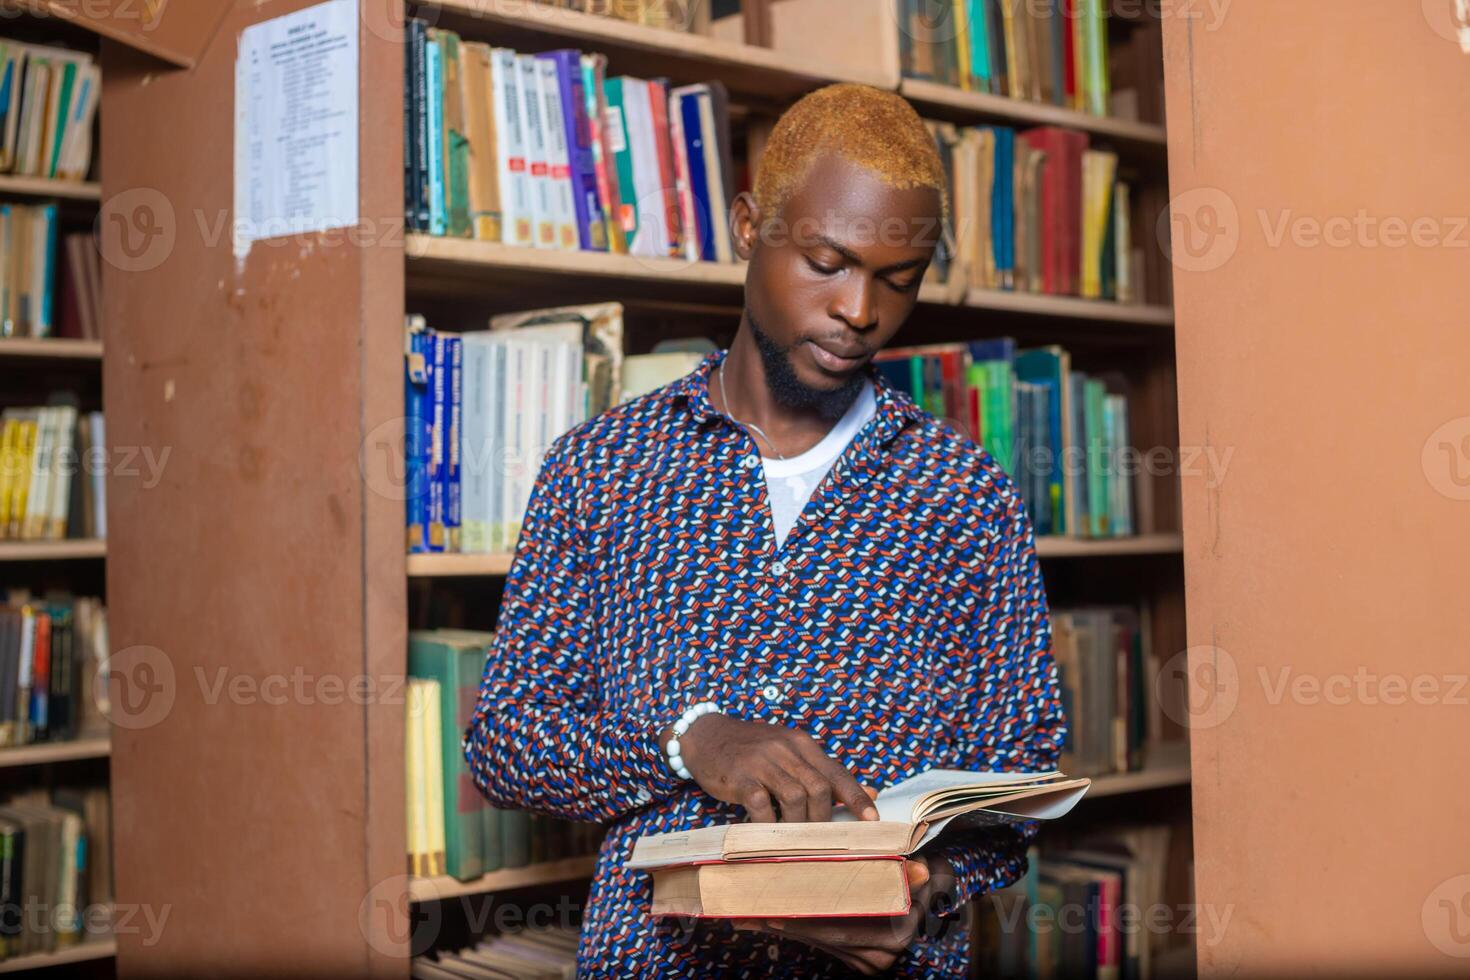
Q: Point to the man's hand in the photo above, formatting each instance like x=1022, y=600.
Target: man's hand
x=765, y=767
x=869, y=946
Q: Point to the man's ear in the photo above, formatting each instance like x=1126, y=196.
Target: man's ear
x=745, y=224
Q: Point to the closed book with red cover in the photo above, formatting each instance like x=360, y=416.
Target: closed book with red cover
x=783, y=888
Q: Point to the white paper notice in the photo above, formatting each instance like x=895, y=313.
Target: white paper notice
x=296, y=124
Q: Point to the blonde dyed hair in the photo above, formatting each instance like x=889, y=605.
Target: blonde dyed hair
x=877, y=130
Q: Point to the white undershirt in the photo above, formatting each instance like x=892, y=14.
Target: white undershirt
x=790, y=482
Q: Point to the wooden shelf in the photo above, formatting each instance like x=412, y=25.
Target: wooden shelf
x=13, y=186
x=461, y=264
x=947, y=102
x=91, y=949
x=652, y=52
x=58, y=348
x=1137, y=782
x=1143, y=544
x=47, y=752
x=447, y=566
x=52, y=550
x=546, y=873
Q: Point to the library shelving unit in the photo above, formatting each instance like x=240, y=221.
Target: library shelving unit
x=273, y=544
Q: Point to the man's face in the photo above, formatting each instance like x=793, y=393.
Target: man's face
x=834, y=277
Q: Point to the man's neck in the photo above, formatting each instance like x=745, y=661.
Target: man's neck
x=792, y=431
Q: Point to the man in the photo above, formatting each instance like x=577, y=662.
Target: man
x=841, y=587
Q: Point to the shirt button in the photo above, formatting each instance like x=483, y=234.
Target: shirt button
x=771, y=692
x=644, y=796
x=750, y=462
x=778, y=568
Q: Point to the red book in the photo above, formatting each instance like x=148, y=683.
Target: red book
x=1061, y=206
x=783, y=888
x=658, y=98
x=1069, y=50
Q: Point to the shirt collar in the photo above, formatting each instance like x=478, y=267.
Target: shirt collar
x=895, y=408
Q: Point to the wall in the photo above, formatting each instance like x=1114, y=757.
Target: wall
x=1331, y=811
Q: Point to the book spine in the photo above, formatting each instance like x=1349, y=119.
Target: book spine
x=411, y=126
x=47, y=260
x=416, y=438
x=558, y=166
x=434, y=104
x=606, y=175
x=438, y=419
x=515, y=198
x=577, y=127
x=542, y=211
x=453, y=469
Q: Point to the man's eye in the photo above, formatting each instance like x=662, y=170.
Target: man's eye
x=903, y=286
x=820, y=269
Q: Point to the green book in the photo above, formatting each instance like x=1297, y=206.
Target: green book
x=456, y=143
x=979, y=43
x=63, y=113
x=456, y=659
x=515, y=838
x=1097, y=478
x=625, y=211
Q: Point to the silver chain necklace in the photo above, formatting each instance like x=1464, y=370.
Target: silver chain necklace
x=749, y=425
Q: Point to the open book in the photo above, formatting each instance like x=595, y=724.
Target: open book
x=910, y=815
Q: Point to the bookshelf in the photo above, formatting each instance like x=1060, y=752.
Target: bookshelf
x=85, y=951
x=48, y=752
x=50, y=348
x=12, y=186
x=325, y=580
x=53, y=550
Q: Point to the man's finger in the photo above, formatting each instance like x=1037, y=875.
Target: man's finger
x=789, y=793
x=846, y=789
x=757, y=803
x=818, y=791
x=918, y=872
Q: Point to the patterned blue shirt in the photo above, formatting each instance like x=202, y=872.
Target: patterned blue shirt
x=903, y=624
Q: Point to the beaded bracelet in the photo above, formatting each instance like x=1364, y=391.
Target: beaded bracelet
x=676, y=760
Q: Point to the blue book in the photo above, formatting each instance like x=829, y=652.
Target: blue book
x=454, y=361
x=44, y=322
x=438, y=417
x=591, y=231
x=1048, y=366
x=979, y=43
x=1002, y=204
x=694, y=138
x=416, y=434
x=434, y=98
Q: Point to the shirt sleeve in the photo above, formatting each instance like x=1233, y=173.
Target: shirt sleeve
x=542, y=737
x=1010, y=713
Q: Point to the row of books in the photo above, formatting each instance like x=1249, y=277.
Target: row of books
x=52, y=485
x=1053, y=51
x=1104, y=664
x=50, y=649
x=483, y=408
x=1037, y=212
x=533, y=953
x=542, y=150
x=48, y=103
x=1058, y=432
x=55, y=868
x=1089, y=912
x=451, y=828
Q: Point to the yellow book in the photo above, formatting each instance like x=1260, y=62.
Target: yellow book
x=1079, y=61
x=962, y=45
x=9, y=467
x=416, y=792
x=1099, y=171
x=25, y=456
x=1014, y=81
x=433, y=775
x=484, y=180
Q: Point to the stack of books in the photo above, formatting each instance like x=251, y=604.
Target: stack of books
x=1037, y=211
x=52, y=483
x=50, y=652
x=451, y=828
x=48, y=103
x=842, y=868
x=548, y=953
x=1052, y=51
x=1087, y=912
x=55, y=869
x=1105, y=666
x=483, y=408
x=1059, y=433
x=544, y=151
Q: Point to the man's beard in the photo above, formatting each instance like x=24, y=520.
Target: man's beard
x=791, y=392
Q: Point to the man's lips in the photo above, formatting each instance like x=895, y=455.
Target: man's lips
x=837, y=358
